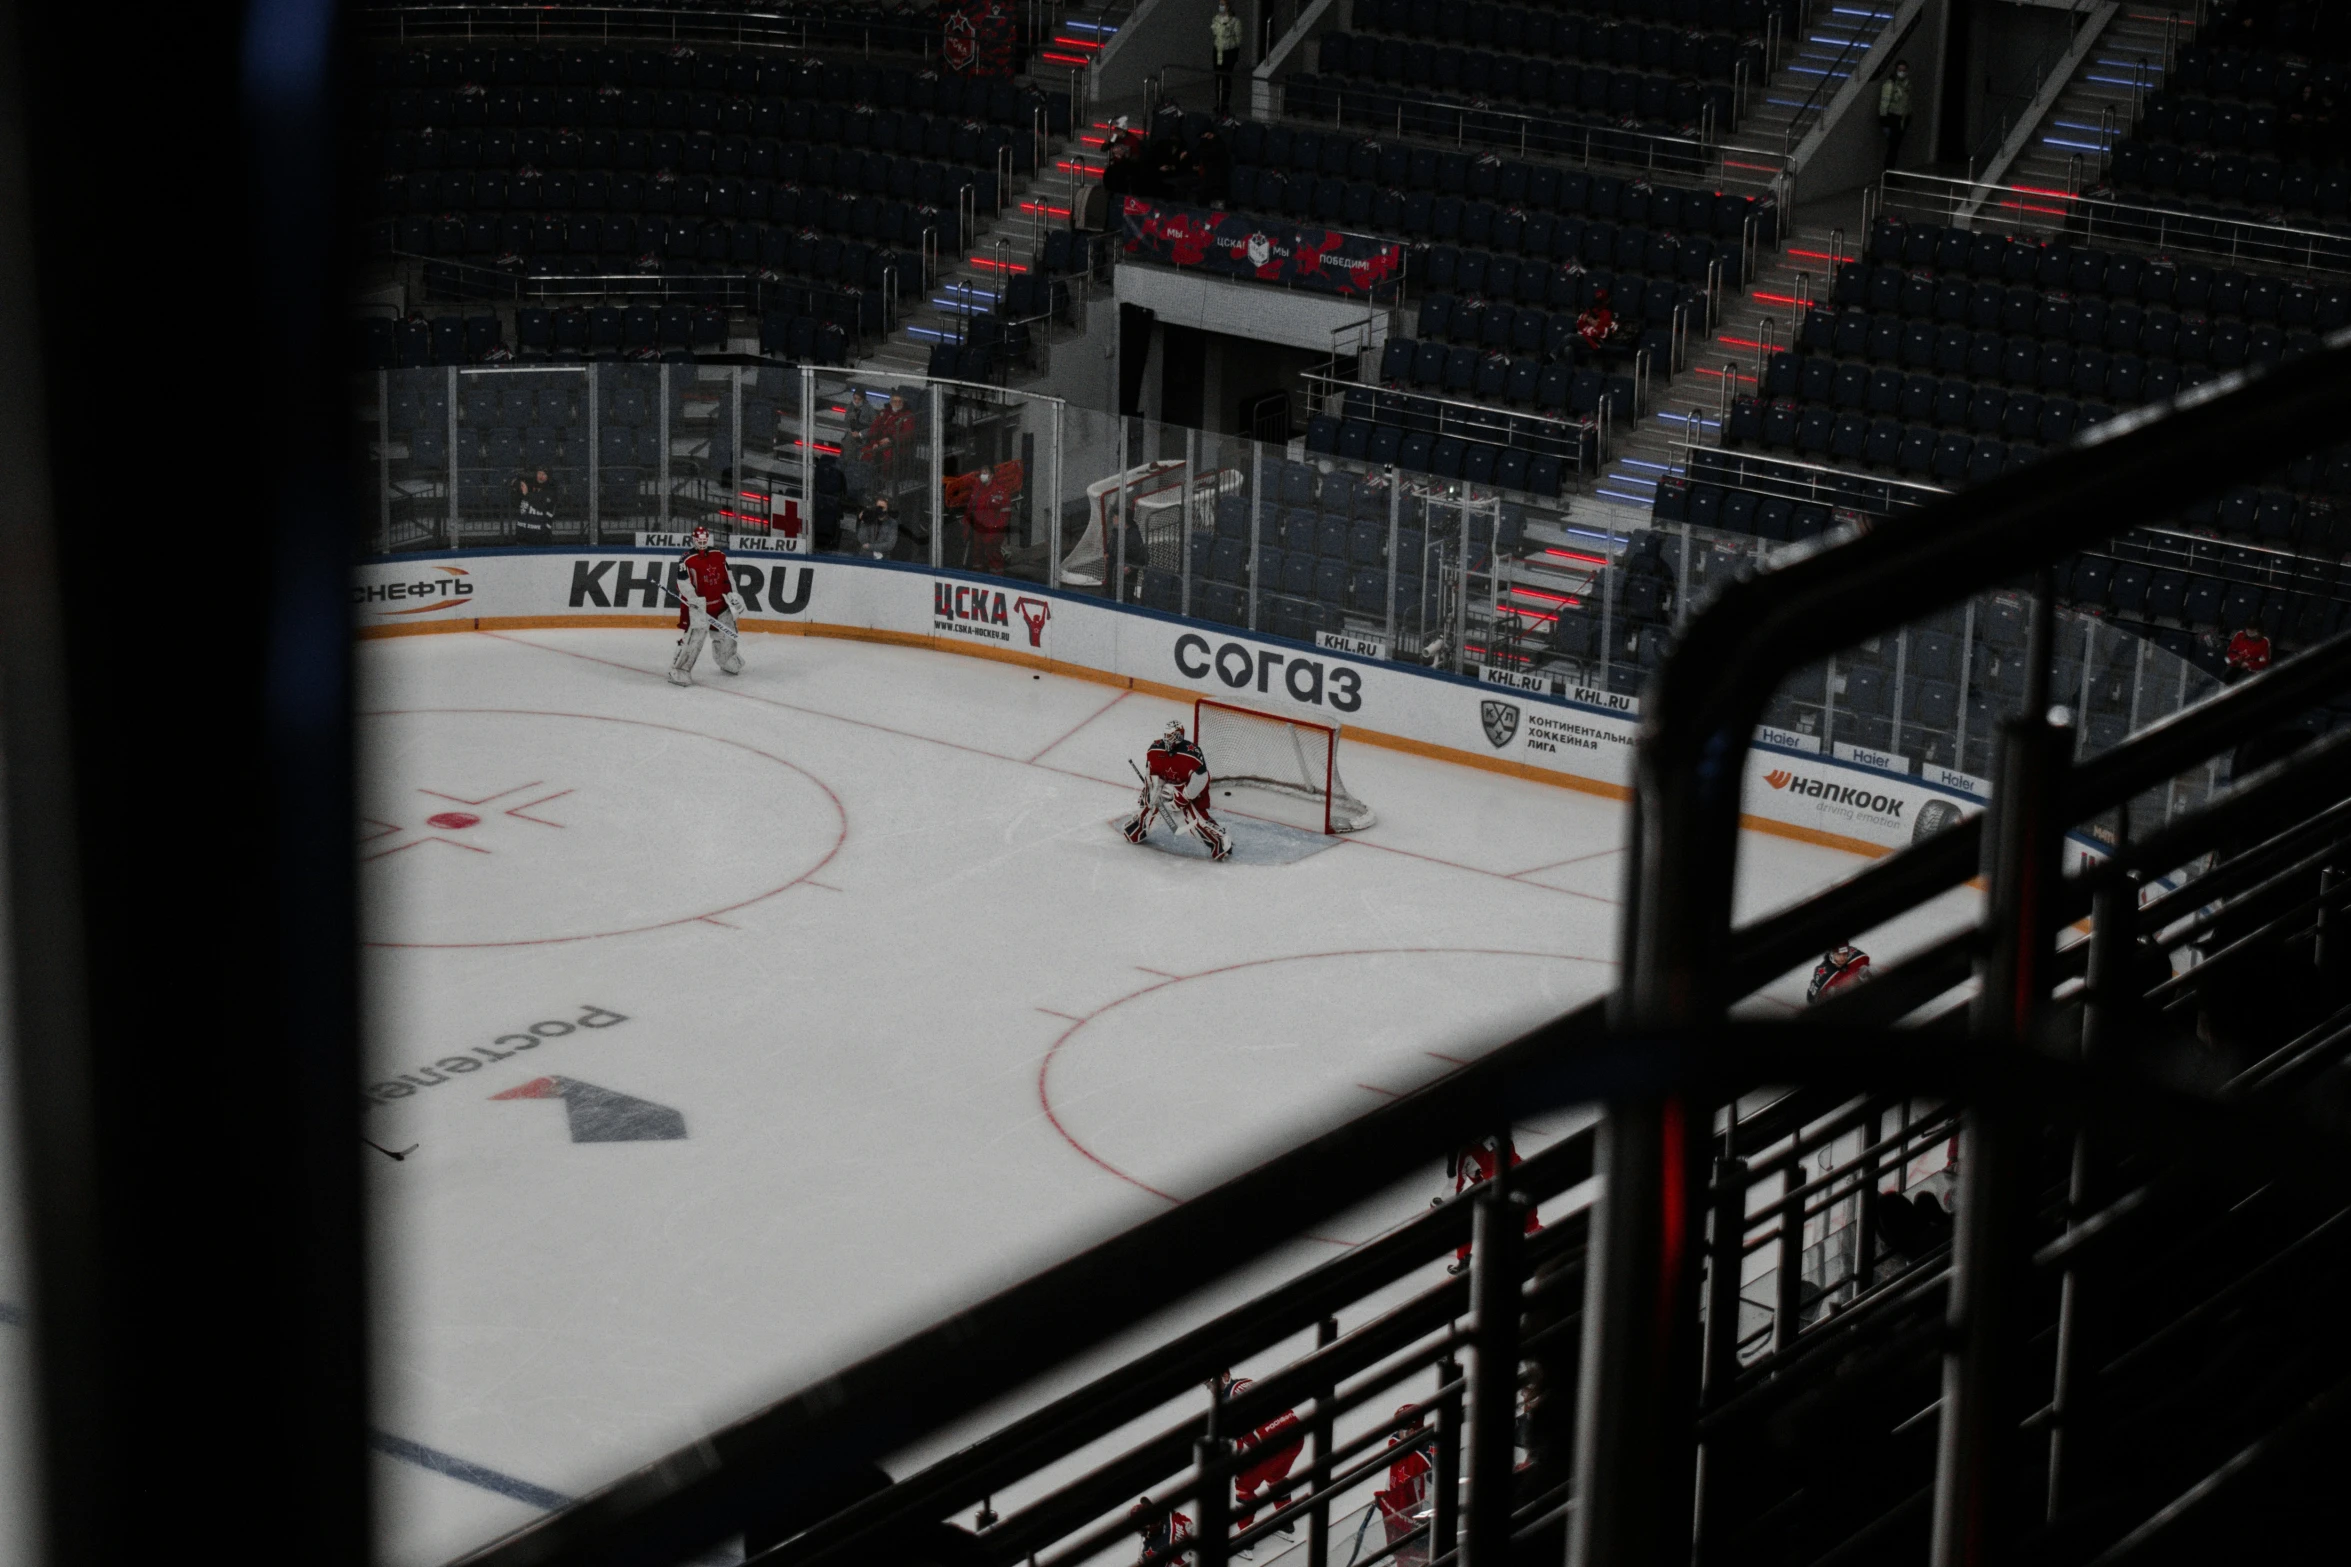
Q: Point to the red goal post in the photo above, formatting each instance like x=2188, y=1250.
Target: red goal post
x=1294, y=756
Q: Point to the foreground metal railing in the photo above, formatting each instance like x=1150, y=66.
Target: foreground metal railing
x=1633, y=1297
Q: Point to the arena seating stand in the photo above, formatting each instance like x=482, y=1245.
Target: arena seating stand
x=1947, y=355
x=1543, y=78
x=2247, y=125
x=693, y=166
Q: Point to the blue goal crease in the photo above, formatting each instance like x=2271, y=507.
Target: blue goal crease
x=418, y=1454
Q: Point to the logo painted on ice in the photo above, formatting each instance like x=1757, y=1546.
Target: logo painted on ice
x=530, y=1038
x=604, y=1115
x=1501, y=720
x=1034, y=613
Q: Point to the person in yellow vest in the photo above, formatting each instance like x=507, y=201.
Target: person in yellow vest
x=1894, y=109
x=1224, y=40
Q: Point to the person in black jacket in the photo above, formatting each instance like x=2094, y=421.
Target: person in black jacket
x=534, y=497
x=1212, y=164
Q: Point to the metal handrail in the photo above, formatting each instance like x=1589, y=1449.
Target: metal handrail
x=1813, y=107
x=1689, y=774
x=2276, y=244
x=1702, y=151
x=426, y=23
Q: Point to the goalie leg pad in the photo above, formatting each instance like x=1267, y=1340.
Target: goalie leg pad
x=723, y=644
x=681, y=668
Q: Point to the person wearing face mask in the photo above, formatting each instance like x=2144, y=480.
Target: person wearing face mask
x=1224, y=41
x=1894, y=109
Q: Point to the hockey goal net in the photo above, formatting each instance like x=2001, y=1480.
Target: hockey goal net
x=1292, y=756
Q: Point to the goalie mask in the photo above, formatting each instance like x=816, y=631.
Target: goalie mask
x=1174, y=733
x=699, y=539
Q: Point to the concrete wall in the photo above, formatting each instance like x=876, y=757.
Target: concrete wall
x=2010, y=44
x=1167, y=33
x=1293, y=53
x=1272, y=315
x=1084, y=371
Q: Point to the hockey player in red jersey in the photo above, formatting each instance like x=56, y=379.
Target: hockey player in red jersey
x=1268, y=1464
x=1167, y=1536
x=707, y=607
x=1476, y=1163
x=1845, y=965
x=1406, y=1497
x=1175, y=791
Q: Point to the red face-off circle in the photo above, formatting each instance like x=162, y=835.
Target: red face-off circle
x=451, y=821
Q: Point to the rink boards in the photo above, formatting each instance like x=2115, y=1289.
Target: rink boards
x=1575, y=738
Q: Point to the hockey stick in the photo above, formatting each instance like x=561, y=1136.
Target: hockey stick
x=1361, y=1530
x=387, y=1153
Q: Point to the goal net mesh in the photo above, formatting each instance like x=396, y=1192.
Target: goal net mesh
x=1258, y=750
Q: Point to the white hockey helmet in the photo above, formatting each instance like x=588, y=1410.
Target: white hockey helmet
x=700, y=537
x=1173, y=731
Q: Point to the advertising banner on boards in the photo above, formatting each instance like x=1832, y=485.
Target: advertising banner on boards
x=1575, y=735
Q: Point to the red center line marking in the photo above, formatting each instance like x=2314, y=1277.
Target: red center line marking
x=1476, y=870
x=527, y=805
x=413, y=842
x=485, y=799
x=1573, y=859
x=1089, y=718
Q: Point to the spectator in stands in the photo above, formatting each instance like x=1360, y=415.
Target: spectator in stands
x=877, y=529
x=534, y=497
x=2249, y=650
x=2300, y=128
x=1894, y=109
x=1597, y=324
x=1212, y=165
x=1224, y=46
x=988, y=514
x=1119, y=177
x=887, y=444
x=1165, y=169
x=1124, y=135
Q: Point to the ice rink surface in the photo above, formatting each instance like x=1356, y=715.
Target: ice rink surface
x=731, y=1032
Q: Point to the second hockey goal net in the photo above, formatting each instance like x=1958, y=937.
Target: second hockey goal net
x=1292, y=756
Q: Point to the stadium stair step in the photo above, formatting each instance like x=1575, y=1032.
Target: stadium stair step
x=1834, y=42
x=1688, y=407
x=2095, y=110
x=1003, y=247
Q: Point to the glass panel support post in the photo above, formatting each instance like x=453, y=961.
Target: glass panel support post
x=935, y=403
